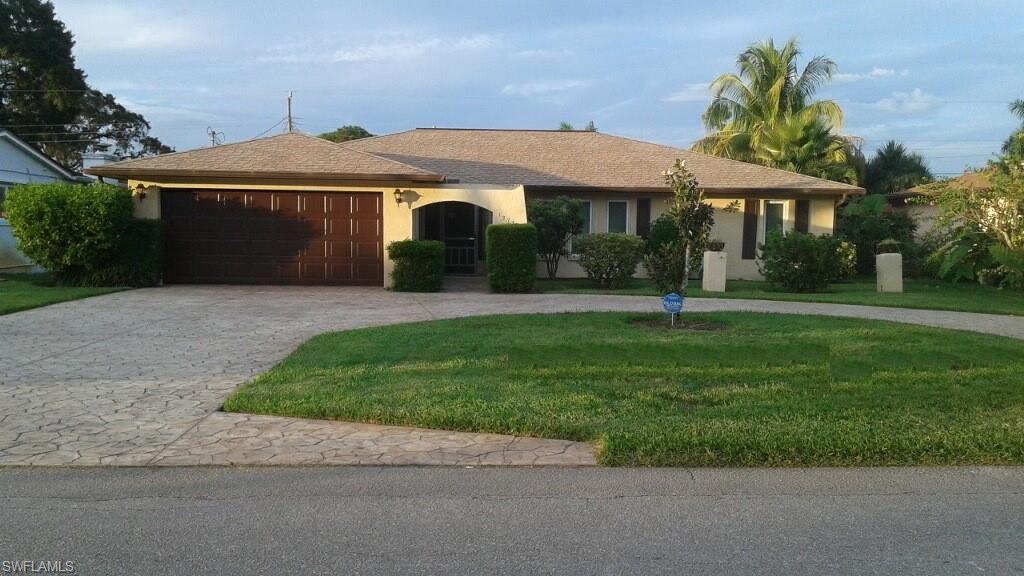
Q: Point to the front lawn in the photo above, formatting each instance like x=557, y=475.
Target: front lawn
x=746, y=389
x=927, y=294
x=23, y=291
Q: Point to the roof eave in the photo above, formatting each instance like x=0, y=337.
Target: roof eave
x=141, y=174
x=717, y=191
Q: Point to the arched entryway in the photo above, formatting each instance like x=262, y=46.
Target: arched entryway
x=461, y=226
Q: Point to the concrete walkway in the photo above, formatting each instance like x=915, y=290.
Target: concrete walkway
x=136, y=378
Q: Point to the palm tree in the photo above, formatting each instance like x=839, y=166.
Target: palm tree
x=1017, y=108
x=894, y=169
x=770, y=99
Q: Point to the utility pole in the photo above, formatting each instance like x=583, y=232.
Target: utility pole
x=290, y=124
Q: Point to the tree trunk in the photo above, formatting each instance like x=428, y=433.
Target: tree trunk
x=686, y=269
x=552, y=265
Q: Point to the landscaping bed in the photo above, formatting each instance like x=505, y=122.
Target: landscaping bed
x=757, y=390
x=922, y=294
x=24, y=291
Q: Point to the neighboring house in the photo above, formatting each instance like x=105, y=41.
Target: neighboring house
x=22, y=163
x=295, y=209
x=914, y=201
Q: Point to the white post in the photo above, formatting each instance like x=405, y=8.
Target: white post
x=889, y=268
x=714, y=272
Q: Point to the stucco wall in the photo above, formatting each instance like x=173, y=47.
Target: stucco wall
x=728, y=228
x=506, y=204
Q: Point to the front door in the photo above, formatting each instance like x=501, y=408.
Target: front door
x=459, y=234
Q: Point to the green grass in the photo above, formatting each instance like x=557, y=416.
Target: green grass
x=23, y=291
x=926, y=294
x=769, y=390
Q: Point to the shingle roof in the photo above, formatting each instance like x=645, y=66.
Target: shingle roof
x=281, y=156
x=574, y=158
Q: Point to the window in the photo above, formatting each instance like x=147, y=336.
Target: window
x=584, y=227
x=774, y=216
x=3, y=196
x=618, y=215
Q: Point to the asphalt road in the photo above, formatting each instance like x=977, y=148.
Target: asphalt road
x=515, y=521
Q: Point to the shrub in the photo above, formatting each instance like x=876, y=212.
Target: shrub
x=888, y=246
x=419, y=265
x=666, y=268
x=663, y=230
x=85, y=234
x=610, y=260
x=716, y=245
x=511, y=257
x=868, y=221
x=800, y=262
x=846, y=253
x=556, y=220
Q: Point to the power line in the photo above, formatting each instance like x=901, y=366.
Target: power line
x=279, y=122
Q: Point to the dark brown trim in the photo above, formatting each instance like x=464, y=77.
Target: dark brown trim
x=802, y=218
x=143, y=174
x=751, y=207
x=770, y=193
x=643, y=217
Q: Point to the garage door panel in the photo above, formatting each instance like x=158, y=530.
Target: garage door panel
x=271, y=237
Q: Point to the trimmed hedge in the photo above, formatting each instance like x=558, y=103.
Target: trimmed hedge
x=85, y=235
x=801, y=262
x=511, y=257
x=610, y=260
x=419, y=265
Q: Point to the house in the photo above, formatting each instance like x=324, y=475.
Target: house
x=23, y=163
x=914, y=202
x=296, y=209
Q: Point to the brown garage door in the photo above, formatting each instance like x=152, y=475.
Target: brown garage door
x=249, y=237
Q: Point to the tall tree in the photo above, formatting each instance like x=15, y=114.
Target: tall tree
x=45, y=99
x=346, y=133
x=765, y=113
x=893, y=169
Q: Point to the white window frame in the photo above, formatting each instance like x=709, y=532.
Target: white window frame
x=590, y=229
x=763, y=224
x=608, y=216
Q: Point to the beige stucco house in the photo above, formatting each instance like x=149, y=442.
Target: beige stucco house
x=297, y=209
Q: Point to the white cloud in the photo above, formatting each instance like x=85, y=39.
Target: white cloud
x=700, y=92
x=875, y=73
x=541, y=54
x=912, y=102
x=381, y=50
x=529, y=89
x=109, y=27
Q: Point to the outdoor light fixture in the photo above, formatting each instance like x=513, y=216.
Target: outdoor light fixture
x=398, y=196
x=140, y=191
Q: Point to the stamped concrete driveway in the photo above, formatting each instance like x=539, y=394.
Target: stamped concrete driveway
x=136, y=378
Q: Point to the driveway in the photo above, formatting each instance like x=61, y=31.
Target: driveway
x=136, y=378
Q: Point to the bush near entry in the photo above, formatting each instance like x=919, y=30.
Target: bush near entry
x=419, y=265
x=85, y=235
x=610, y=260
x=800, y=262
x=511, y=257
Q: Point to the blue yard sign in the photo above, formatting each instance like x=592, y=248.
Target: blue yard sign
x=673, y=303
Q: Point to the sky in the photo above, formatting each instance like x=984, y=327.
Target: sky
x=935, y=75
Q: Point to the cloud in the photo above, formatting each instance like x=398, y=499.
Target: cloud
x=912, y=102
x=380, y=50
x=108, y=27
x=540, y=54
x=543, y=88
x=700, y=92
x=874, y=74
